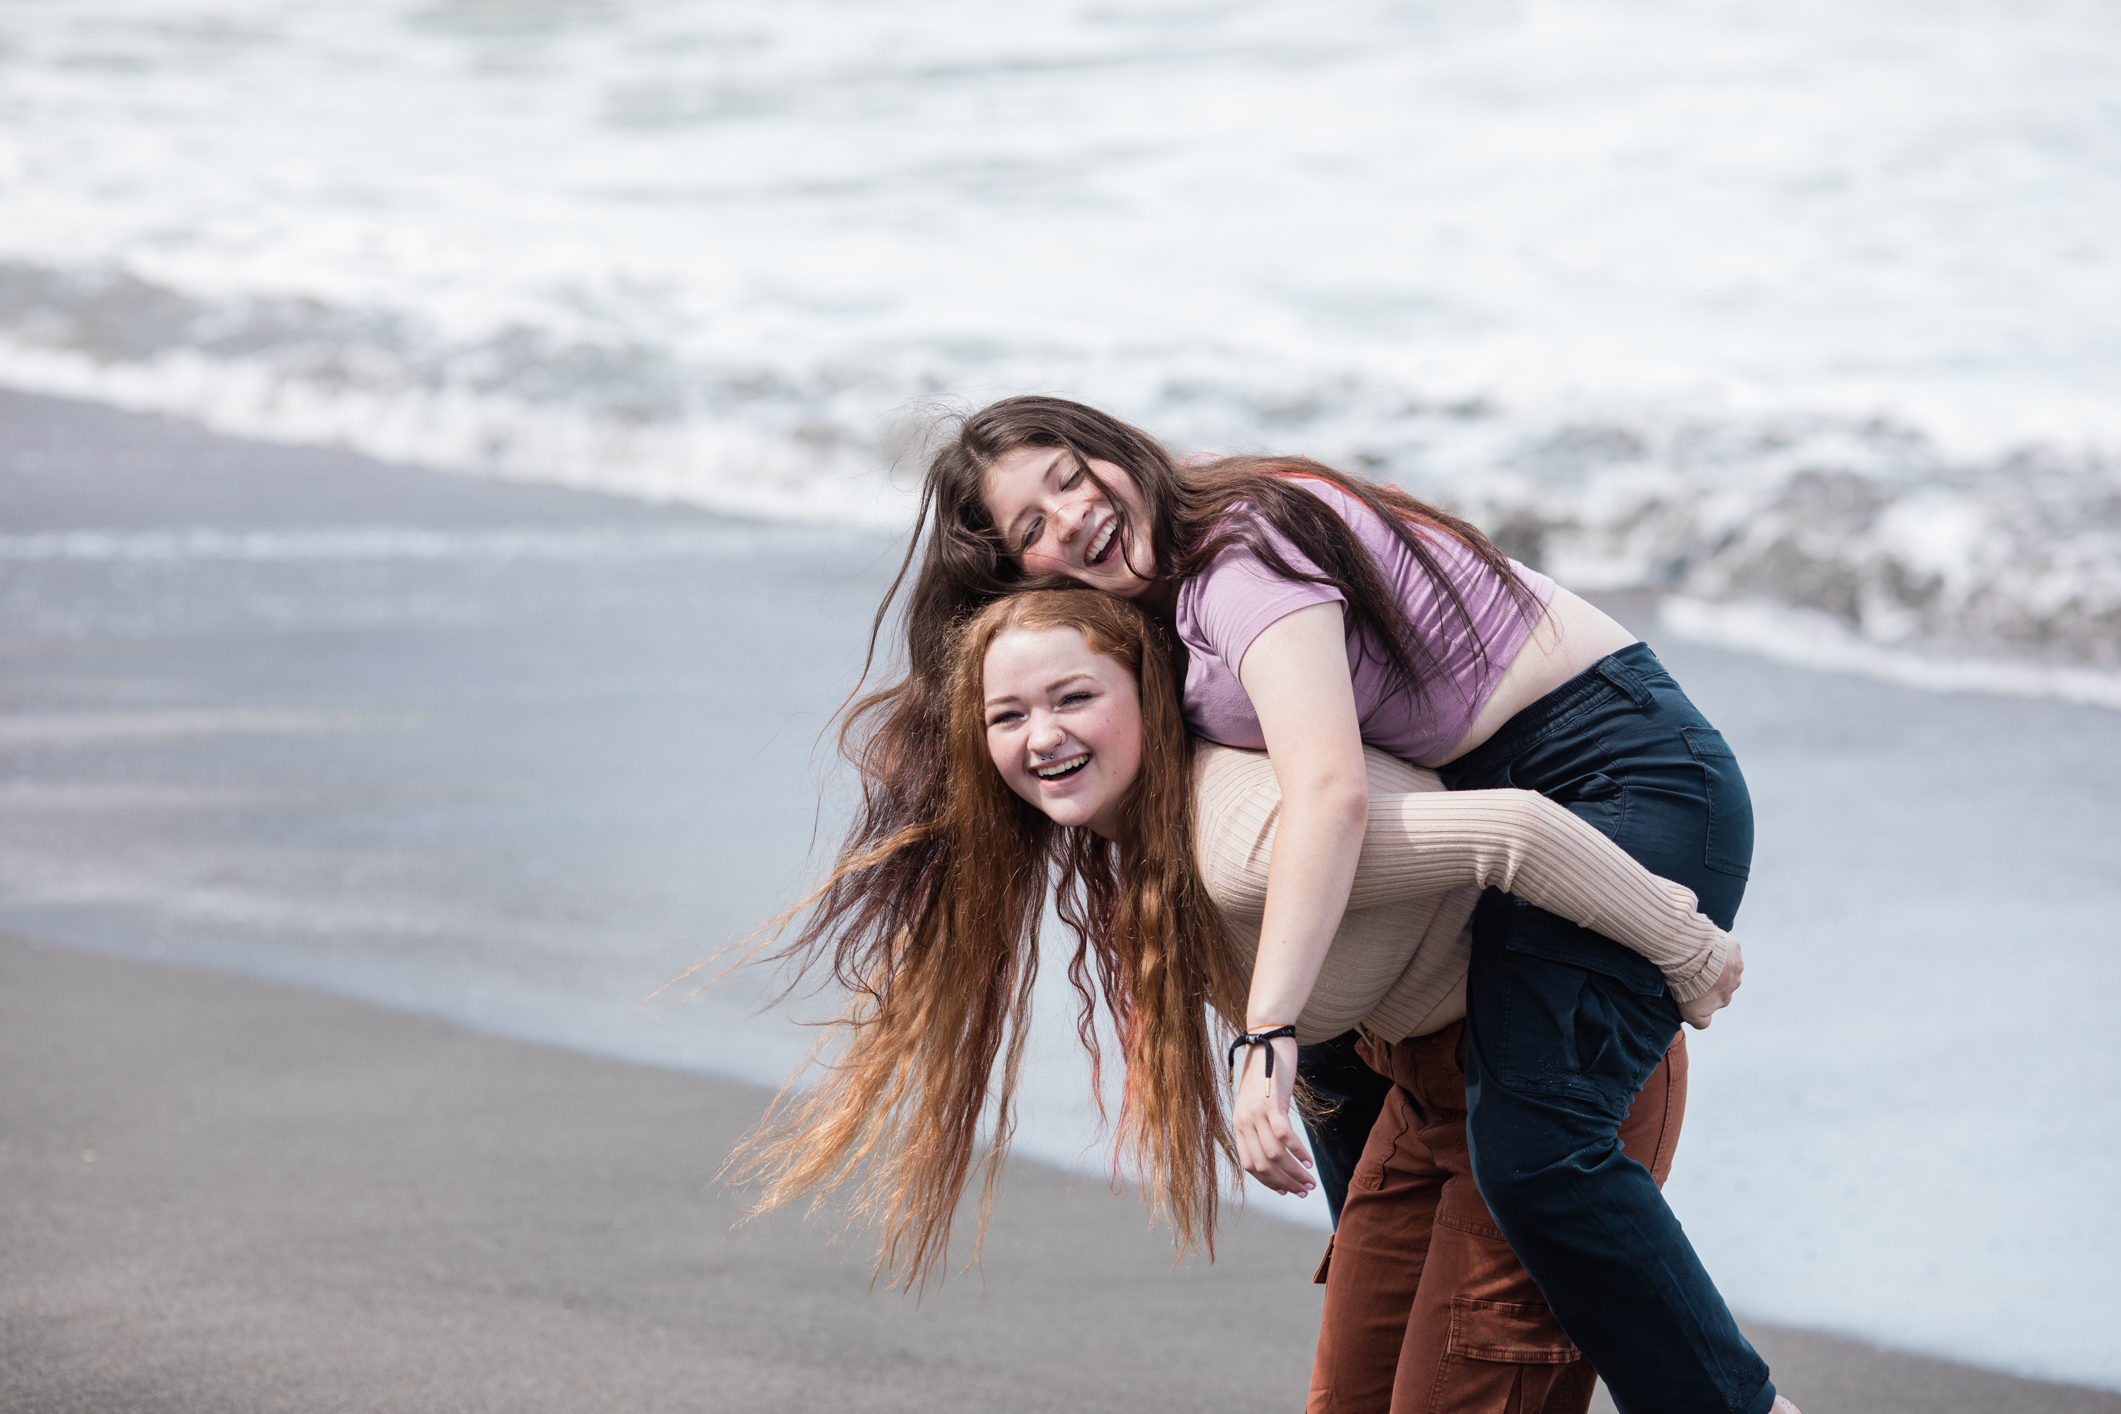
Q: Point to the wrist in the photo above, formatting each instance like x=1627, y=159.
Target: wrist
x=1699, y=975
x=1260, y=1038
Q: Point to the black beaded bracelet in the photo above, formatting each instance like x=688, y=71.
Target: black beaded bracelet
x=1258, y=1038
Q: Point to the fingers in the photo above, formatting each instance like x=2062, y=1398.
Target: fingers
x=1267, y=1144
x=1296, y=1144
x=1699, y=1012
x=1733, y=974
x=1282, y=1170
x=1278, y=1169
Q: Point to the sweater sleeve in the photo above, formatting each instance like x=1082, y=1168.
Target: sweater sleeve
x=1424, y=841
x=1429, y=842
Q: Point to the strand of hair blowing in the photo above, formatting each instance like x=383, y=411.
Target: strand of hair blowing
x=941, y=992
x=1164, y=934
x=943, y=965
x=1193, y=517
x=925, y=893
x=894, y=736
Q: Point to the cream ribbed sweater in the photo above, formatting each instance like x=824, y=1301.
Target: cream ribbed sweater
x=1405, y=941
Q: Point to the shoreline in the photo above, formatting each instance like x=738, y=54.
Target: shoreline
x=456, y=785
x=225, y=1192
x=1765, y=628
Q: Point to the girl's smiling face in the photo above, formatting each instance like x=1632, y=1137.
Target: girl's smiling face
x=1064, y=725
x=1055, y=519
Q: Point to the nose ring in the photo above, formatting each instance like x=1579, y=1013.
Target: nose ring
x=1050, y=756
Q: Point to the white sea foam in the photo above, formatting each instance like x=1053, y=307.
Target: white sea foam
x=1807, y=638
x=1809, y=313
x=1813, y=305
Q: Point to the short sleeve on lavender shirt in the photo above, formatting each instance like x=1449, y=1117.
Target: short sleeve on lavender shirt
x=1224, y=608
x=1221, y=611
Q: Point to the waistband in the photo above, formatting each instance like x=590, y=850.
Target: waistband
x=1624, y=673
x=1431, y=1068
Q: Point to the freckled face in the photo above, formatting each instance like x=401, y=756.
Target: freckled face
x=1056, y=521
x=1064, y=725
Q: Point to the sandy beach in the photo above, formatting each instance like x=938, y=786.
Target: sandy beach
x=304, y=847
x=221, y=1194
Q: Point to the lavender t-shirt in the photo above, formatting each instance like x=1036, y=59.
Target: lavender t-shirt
x=1225, y=607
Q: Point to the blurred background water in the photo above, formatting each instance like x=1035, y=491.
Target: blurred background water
x=1805, y=317
x=1813, y=306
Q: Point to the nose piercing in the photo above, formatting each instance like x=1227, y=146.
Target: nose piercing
x=1050, y=756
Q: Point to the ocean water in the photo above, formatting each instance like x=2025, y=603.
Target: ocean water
x=1808, y=312
x=517, y=757
x=1807, y=307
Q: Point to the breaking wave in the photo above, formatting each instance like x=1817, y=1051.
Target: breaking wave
x=1863, y=521
x=1811, y=307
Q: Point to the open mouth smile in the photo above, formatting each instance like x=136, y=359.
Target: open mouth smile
x=1061, y=770
x=1102, y=548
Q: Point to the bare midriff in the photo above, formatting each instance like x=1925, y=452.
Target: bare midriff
x=1571, y=636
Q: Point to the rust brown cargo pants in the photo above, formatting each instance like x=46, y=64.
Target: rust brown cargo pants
x=1427, y=1310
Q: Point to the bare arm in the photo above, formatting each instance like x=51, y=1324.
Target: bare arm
x=1296, y=673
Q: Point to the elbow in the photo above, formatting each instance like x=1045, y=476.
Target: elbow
x=1347, y=805
x=1331, y=800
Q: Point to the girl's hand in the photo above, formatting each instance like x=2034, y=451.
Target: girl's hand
x=1700, y=1011
x=1268, y=1146
x=1296, y=673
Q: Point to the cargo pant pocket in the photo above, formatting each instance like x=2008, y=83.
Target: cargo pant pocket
x=1570, y=1006
x=1506, y=1355
x=1729, y=849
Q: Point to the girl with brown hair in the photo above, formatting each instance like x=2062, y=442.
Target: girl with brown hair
x=1320, y=615
x=1067, y=763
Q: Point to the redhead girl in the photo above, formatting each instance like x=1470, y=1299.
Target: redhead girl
x=1319, y=615
x=1066, y=761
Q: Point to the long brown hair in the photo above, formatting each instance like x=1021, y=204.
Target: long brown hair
x=895, y=735
x=1191, y=521
x=934, y=928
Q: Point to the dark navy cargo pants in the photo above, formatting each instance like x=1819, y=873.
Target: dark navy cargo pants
x=1351, y=1096
x=1565, y=1026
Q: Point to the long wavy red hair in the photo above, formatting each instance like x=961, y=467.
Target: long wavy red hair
x=933, y=928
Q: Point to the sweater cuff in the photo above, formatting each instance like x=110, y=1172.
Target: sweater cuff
x=1693, y=978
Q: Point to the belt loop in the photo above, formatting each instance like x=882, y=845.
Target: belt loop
x=1624, y=678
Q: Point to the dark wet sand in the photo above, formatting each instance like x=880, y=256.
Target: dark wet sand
x=299, y=1202
x=221, y=1194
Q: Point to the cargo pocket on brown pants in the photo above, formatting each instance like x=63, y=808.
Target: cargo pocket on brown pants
x=1509, y=1358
